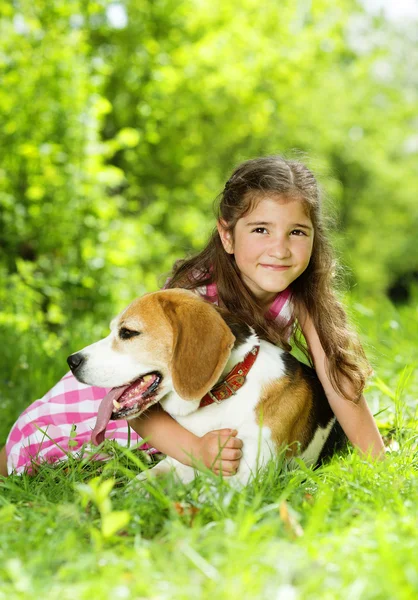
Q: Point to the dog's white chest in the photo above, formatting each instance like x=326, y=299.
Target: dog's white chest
x=238, y=411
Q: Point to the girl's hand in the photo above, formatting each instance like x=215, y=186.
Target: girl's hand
x=220, y=451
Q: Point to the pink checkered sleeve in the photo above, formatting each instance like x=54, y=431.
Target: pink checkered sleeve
x=43, y=432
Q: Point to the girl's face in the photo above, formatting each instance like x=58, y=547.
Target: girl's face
x=272, y=245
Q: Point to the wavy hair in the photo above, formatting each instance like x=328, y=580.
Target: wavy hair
x=313, y=290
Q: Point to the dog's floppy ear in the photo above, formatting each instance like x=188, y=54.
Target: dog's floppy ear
x=202, y=343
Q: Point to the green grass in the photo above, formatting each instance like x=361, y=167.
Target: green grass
x=347, y=530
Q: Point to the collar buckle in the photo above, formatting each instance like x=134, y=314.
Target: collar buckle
x=214, y=398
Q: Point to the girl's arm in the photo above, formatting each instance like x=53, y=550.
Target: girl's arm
x=218, y=450
x=356, y=419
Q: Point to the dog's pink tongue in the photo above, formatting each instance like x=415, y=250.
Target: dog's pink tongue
x=105, y=412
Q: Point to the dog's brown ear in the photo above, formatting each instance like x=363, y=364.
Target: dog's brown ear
x=202, y=343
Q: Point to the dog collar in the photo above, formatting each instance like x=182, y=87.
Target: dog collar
x=233, y=381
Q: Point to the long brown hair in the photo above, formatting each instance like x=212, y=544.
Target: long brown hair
x=313, y=290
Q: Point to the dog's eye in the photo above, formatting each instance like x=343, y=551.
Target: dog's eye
x=126, y=334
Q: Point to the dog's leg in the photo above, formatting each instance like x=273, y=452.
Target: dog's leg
x=182, y=472
x=162, y=468
x=257, y=453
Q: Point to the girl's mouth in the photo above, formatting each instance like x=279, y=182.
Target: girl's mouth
x=276, y=267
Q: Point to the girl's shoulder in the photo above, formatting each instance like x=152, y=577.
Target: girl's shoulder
x=282, y=308
x=208, y=292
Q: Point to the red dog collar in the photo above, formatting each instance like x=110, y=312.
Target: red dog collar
x=232, y=382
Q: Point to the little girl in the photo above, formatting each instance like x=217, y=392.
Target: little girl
x=268, y=261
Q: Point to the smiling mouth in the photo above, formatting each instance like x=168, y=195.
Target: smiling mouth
x=276, y=267
x=126, y=402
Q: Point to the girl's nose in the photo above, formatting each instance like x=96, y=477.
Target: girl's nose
x=280, y=249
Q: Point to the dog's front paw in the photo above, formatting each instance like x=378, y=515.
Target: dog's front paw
x=144, y=476
x=162, y=468
x=137, y=482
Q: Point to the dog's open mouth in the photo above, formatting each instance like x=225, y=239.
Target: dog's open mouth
x=126, y=402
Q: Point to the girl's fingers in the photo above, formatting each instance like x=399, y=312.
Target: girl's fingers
x=234, y=443
x=226, y=467
x=230, y=454
x=227, y=438
x=226, y=432
x=229, y=442
x=225, y=473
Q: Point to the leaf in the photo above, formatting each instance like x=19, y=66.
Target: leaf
x=7, y=513
x=114, y=521
x=128, y=137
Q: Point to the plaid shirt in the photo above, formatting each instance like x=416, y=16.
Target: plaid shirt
x=62, y=421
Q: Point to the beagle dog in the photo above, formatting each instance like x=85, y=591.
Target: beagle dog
x=208, y=371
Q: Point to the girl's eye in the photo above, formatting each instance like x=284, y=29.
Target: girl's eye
x=298, y=232
x=259, y=230
x=127, y=334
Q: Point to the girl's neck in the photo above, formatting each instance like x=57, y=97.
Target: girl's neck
x=265, y=303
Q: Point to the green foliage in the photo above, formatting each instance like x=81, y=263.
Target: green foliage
x=112, y=521
x=118, y=134
x=300, y=534
x=53, y=176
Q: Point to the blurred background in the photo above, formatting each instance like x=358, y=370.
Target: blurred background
x=121, y=121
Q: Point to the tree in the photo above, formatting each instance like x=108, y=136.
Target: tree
x=123, y=130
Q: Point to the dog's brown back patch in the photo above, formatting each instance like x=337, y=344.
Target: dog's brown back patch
x=285, y=408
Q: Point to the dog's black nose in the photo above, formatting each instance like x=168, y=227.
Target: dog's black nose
x=75, y=360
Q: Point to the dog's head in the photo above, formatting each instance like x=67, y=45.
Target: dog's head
x=165, y=344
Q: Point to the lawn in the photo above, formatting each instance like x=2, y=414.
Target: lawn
x=346, y=530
